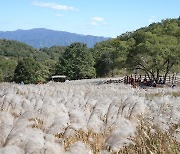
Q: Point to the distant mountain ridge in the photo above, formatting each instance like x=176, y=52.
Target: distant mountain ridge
x=41, y=37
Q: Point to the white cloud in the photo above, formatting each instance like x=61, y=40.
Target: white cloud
x=54, y=6
x=96, y=21
x=58, y=15
x=152, y=19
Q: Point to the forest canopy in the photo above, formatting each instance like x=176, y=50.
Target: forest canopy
x=154, y=50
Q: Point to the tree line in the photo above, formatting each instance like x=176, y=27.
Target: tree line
x=153, y=50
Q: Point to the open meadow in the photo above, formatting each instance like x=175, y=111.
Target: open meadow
x=87, y=117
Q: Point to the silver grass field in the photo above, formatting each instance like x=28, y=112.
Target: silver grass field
x=87, y=117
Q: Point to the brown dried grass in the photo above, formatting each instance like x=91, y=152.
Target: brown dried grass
x=153, y=142
x=38, y=123
x=95, y=141
x=146, y=141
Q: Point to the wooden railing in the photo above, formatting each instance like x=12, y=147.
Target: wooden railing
x=121, y=80
x=177, y=79
x=170, y=79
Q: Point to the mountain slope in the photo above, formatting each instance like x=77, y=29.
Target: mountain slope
x=40, y=37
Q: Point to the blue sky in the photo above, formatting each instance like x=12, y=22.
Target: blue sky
x=108, y=18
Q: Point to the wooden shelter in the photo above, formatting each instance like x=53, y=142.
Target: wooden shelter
x=59, y=78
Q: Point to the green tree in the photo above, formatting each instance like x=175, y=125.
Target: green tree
x=111, y=56
x=7, y=67
x=53, y=52
x=153, y=49
x=30, y=71
x=104, y=64
x=76, y=62
x=1, y=76
x=155, y=55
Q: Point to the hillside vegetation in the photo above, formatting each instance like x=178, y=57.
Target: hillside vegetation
x=152, y=50
x=12, y=51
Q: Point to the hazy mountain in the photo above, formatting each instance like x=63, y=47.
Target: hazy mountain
x=40, y=37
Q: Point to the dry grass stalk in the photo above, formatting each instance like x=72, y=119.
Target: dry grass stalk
x=38, y=123
x=173, y=94
x=1, y=109
x=93, y=140
x=15, y=115
x=148, y=142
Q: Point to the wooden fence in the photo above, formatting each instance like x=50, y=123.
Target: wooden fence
x=171, y=79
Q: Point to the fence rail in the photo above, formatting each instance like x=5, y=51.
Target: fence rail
x=171, y=79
